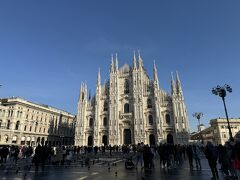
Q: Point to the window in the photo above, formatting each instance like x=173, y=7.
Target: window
x=167, y=118
x=150, y=119
x=0, y=123
x=8, y=124
x=105, y=106
x=104, y=121
x=91, y=122
x=17, y=125
x=149, y=103
x=126, y=87
x=126, y=108
x=25, y=127
x=30, y=129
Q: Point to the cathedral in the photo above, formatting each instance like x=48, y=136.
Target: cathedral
x=131, y=108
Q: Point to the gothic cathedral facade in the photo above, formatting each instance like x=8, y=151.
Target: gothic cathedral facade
x=131, y=108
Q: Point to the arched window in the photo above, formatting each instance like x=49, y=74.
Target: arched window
x=150, y=119
x=126, y=87
x=126, y=108
x=105, y=106
x=91, y=122
x=8, y=124
x=149, y=103
x=104, y=121
x=167, y=118
x=17, y=125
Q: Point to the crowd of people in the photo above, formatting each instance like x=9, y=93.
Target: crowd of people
x=170, y=156
x=228, y=156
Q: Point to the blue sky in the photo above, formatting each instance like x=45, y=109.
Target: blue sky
x=48, y=47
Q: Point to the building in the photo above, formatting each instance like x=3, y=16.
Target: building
x=201, y=127
x=27, y=123
x=218, y=132
x=130, y=108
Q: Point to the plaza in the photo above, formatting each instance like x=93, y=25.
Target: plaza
x=100, y=170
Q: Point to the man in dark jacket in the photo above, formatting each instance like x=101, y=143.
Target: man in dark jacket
x=212, y=156
x=4, y=154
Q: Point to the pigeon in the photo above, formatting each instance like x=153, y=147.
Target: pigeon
x=88, y=167
x=109, y=169
x=116, y=173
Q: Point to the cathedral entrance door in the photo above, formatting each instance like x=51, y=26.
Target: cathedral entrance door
x=90, y=140
x=169, y=139
x=104, y=140
x=127, y=136
x=152, y=139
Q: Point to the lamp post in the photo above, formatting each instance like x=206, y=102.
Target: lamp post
x=198, y=115
x=222, y=92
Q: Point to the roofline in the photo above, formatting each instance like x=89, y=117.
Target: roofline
x=43, y=106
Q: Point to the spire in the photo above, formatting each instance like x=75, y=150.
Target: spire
x=172, y=84
x=134, y=61
x=116, y=63
x=99, y=78
x=80, y=92
x=112, y=64
x=155, y=74
x=89, y=95
x=178, y=83
x=140, y=61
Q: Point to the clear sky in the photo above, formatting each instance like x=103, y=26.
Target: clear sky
x=48, y=47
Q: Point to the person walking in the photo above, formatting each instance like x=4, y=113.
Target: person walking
x=37, y=157
x=190, y=156
x=211, y=154
x=237, y=158
x=196, y=154
x=4, y=154
x=139, y=150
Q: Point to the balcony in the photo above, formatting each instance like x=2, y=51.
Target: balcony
x=125, y=116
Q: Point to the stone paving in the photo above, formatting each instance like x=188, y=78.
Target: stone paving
x=101, y=170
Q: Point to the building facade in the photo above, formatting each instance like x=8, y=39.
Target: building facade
x=130, y=108
x=218, y=132
x=27, y=123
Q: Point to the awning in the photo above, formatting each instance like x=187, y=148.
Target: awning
x=23, y=138
x=28, y=138
x=14, y=138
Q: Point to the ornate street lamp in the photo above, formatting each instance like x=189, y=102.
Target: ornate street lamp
x=222, y=92
x=198, y=115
